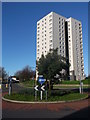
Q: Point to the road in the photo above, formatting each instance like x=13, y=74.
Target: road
x=71, y=110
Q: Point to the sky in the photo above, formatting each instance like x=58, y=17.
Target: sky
x=19, y=30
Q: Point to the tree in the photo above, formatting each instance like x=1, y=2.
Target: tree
x=89, y=76
x=52, y=64
x=3, y=73
x=25, y=74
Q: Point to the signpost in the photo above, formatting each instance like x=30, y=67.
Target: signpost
x=41, y=80
x=10, y=85
x=40, y=88
x=11, y=79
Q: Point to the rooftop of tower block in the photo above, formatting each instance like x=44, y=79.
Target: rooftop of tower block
x=49, y=14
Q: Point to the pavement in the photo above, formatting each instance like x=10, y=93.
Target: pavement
x=73, y=110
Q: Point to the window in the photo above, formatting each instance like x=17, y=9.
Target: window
x=50, y=45
x=38, y=24
x=59, y=22
x=50, y=28
x=50, y=16
x=59, y=30
x=50, y=40
x=50, y=20
x=50, y=32
x=50, y=24
x=59, y=18
x=38, y=27
x=50, y=36
x=60, y=38
x=59, y=34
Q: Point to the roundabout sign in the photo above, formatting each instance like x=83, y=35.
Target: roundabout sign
x=41, y=87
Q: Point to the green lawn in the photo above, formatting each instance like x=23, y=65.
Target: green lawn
x=30, y=83
x=58, y=87
x=27, y=83
x=66, y=97
x=87, y=81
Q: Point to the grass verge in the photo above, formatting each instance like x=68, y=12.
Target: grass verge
x=66, y=97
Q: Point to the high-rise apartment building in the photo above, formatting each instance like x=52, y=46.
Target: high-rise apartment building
x=55, y=31
x=75, y=49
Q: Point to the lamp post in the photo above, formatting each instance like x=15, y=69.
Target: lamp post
x=80, y=85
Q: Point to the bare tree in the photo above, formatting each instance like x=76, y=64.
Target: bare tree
x=25, y=74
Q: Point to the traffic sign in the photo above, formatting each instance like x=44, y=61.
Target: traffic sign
x=42, y=88
x=36, y=87
x=41, y=80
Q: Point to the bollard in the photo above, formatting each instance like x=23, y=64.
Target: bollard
x=80, y=89
x=41, y=94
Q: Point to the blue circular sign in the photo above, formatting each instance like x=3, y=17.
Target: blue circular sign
x=41, y=79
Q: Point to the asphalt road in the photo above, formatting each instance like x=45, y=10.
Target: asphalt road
x=73, y=110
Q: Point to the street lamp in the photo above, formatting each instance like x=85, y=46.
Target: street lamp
x=80, y=83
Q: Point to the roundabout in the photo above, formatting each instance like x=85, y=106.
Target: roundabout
x=15, y=109
x=16, y=98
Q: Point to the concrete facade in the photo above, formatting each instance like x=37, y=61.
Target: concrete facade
x=51, y=34
x=75, y=47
